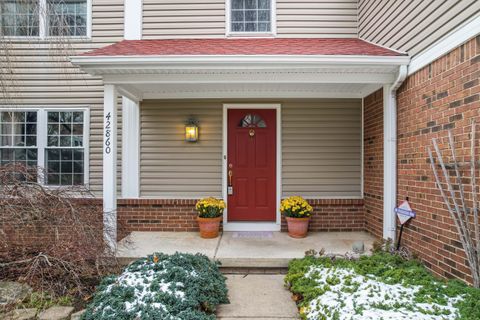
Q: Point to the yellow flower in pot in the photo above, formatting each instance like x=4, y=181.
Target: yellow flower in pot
x=210, y=214
x=297, y=212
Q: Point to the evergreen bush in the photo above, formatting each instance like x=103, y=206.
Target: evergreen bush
x=179, y=286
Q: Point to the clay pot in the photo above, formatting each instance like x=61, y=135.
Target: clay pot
x=209, y=227
x=297, y=227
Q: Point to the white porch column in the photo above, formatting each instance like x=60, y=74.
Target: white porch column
x=389, y=162
x=133, y=20
x=130, y=148
x=110, y=165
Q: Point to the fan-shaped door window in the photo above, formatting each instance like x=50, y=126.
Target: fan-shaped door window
x=252, y=121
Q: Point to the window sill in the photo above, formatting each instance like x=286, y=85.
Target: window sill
x=250, y=35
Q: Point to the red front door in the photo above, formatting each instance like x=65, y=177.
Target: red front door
x=251, y=165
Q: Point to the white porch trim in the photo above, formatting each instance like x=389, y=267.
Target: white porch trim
x=390, y=154
x=110, y=166
x=130, y=148
x=253, y=226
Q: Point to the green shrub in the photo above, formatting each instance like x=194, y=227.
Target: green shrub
x=178, y=286
x=302, y=279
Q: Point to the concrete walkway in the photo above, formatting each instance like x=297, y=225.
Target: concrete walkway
x=255, y=296
x=241, y=249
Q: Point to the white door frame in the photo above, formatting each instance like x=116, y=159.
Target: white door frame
x=253, y=226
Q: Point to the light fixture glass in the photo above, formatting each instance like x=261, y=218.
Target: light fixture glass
x=191, y=130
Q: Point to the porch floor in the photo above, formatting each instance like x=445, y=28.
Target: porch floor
x=241, y=249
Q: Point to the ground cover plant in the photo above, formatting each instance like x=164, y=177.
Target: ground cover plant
x=381, y=286
x=170, y=287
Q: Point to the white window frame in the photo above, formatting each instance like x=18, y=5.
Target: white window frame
x=42, y=25
x=42, y=136
x=273, y=23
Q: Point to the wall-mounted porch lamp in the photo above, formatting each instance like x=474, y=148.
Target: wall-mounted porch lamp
x=191, y=130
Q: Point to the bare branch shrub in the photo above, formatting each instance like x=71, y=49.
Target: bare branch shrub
x=51, y=238
x=460, y=197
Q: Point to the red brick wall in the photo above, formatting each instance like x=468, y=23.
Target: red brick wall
x=180, y=215
x=444, y=95
x=373, y=162
x=157, y=214
x=335, y=215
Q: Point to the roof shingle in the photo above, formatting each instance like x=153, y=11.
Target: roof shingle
x=258, y=46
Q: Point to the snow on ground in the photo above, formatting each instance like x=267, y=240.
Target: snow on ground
x=350, y=296
x=141, y=281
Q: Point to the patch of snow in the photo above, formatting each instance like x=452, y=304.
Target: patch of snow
x=350, y=296
x=141, y=281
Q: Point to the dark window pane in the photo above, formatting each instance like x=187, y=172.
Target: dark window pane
x=65, y=128
x=238, y=4
x=65, y=141
x=52, y=141
x=264, y=15
x=66, y=154
x=78, y=154
x=53, y=167
x=250, y=15
x=78, y=167
x=53, y=179
x=31, y=117
x=53, y=117
x=237, y=16
x=250, y=27
x=238, y=27
x=264, y=4
x=66, y=179
x=77, y=179
x=53, y=154
x=250, y=4
x=78, y=117
x=77, y=141
x=66, y=167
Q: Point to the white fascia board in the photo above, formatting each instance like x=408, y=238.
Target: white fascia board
x=454, y=39
x=232, y=60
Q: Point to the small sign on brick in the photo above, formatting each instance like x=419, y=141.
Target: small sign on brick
x=404, y=212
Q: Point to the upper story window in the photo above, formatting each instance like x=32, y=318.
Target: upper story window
x=19, y=18
x=251, y=16
x=44, y=18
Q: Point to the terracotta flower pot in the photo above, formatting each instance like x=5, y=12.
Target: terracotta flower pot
x=209, y=227
x=297, y=227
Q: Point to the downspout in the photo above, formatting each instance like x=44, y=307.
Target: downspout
x=390, y=153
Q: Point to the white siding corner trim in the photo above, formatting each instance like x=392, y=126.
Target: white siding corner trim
x=462, y=34
x=133, y=22
x=252, y=226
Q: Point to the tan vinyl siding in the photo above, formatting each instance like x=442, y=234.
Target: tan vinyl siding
x=170, y=167
x=317, y=18
x=321, y=148
x=183, y=19
x=206, y=18
x=43, y=76
x=412, y=26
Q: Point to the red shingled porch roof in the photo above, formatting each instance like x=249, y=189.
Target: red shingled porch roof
x=257, y=46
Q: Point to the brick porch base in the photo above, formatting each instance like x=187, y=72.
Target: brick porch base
x=180, y=215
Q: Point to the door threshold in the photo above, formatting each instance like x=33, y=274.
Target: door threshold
x=251, y=226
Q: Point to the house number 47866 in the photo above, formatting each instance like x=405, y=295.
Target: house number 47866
x=108, y=133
